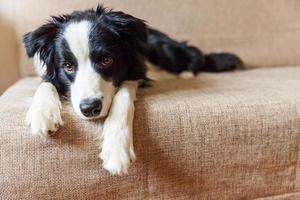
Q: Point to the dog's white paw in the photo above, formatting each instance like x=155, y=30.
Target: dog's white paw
x=43, y=119
x=117, y=150
x=186, y=75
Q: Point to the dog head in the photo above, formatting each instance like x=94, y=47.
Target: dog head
x=89, y=54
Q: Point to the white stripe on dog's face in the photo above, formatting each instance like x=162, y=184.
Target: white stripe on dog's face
x=88, y=84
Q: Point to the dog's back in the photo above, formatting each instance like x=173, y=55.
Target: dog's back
x=177, y=57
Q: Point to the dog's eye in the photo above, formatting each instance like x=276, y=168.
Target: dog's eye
x=106, y=62
x=69, y=68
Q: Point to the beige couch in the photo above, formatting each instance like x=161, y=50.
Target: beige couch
x=219, y=136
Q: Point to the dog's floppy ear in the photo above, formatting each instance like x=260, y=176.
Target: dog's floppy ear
x=41, y=42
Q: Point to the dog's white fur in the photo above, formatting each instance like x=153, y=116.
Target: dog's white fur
x=87, y=84
x=117, y=147
x=40, y=66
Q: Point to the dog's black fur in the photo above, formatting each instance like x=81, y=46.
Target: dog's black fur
x=128, y=40
x=176, y=56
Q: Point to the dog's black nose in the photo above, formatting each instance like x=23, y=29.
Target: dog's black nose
x=90, y=107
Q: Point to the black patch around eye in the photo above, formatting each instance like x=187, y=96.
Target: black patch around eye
x=63, y=56
x=113, y=73
x=98, y=56
x=71, y=76
x=68, y=78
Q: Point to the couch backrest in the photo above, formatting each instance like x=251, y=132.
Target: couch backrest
x=263, y=33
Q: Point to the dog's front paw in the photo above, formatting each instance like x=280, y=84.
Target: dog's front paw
x=43, y=119
x=117, y=150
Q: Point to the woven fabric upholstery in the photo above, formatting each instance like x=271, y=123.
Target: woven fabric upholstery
x=219, y=136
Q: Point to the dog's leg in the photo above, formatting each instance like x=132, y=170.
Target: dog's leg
x=43, y=115
x=117, y=145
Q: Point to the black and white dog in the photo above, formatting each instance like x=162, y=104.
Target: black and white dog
x=98, y=59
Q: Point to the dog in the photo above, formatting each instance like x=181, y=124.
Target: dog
x=98, y=58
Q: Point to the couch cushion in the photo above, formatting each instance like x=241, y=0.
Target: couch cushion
x=219, y=136
x=264, y=33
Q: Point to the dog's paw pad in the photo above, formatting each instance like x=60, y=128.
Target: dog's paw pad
x=186, y=75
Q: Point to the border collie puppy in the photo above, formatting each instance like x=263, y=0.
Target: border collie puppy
x=98, y=58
